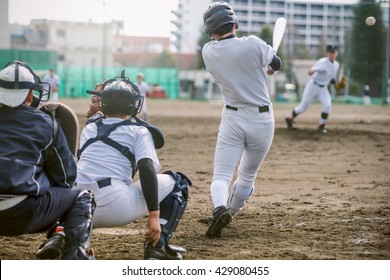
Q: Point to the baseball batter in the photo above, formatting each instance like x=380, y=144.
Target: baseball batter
x=323, y=72
x=247, y=124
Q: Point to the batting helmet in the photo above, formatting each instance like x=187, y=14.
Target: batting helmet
x=216, y=15
x=120, y=97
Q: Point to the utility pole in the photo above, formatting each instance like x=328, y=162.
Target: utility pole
x=386, y=78
x=178, y=34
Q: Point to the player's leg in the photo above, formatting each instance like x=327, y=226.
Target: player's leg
x=310, y=91
x=258, y=145
x=228, y=151
x=326, y=102
x=75, y=208
x=172, y=207
x=78, y=227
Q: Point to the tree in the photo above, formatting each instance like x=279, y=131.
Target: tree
x=266, y=34
x=203, y=39
x=367, y=47
x=164, y=59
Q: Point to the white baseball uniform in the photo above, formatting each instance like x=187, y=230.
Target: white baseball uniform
x=247, y=124
x=55, y=82
x=122, y=201
x=144, y=90
x=317, y=86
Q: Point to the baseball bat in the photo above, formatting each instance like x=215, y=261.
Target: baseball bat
x=279, y=28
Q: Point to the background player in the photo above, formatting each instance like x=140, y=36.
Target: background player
x=144, y=90
x=323, y=72
x=54, y=80
x=247, y=125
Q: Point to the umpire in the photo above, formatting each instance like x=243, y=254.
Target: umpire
x=38, y=169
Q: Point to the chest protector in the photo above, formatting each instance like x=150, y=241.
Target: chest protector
x=104, y=131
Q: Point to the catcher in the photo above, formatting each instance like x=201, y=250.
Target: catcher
x=113, y=148
x=323, y=72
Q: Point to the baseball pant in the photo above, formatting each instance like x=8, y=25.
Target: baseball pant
x=121, y=203
x=244, y=136
x=311, y=92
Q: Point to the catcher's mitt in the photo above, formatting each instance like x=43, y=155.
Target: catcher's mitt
x=341, y=84
x=94, y=106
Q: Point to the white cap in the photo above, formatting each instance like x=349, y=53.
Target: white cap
x=14, y=97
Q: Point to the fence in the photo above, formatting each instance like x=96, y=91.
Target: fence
x=76, y=80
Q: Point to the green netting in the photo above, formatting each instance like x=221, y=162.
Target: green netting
x=37, y=60
x=76, y=80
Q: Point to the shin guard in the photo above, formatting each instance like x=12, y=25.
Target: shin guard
x=78, y=227
x=173, y=206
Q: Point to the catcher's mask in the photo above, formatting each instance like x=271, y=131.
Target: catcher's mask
x=18, y=76
x=120, y=96
x=216, y=15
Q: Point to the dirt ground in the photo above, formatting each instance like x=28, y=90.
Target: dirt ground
x=316, y=197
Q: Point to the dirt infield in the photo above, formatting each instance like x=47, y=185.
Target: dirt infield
x=316, y=197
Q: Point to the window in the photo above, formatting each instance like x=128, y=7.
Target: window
x=61, y=33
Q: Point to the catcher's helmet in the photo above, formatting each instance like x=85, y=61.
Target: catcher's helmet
x=216, y=15
x=16, y=81
x=120, y=97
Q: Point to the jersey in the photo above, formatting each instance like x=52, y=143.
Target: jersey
x=237, y=66
x=99, y=160
x=316, y=87
x=326, y=70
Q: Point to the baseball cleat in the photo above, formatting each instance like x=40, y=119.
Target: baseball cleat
x=289, y=122
x=221, y=218
x=321, y=129
x=167, y=252
x=52, y=248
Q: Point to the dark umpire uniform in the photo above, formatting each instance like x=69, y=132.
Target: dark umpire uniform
x=37, y=171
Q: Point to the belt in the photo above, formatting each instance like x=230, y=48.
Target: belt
x=262, y=109
x=318, y=84
x=104, y=182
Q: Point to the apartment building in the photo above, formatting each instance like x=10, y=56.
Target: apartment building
x=311, y=23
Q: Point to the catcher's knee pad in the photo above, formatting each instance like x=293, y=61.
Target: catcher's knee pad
x=238, y=197
x=173, y=206
x=78, y=226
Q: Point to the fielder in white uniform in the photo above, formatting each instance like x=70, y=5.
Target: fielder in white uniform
x=112, y=149
x=54, y=80
x=144, y=90
x=323, y=72
x=247, y=125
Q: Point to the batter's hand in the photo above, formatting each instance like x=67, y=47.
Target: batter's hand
x=154, y=229
x=270, y=71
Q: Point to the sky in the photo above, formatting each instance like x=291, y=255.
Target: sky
x=141, y=17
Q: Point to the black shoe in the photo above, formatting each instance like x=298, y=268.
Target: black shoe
x=221, y=218
x=52, y=248
x=321, y=129
x=289, y=122
x=165, y=253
